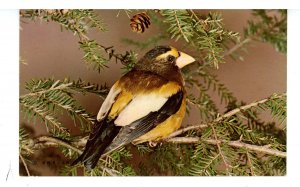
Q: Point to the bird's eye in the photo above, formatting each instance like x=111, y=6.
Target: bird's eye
x=171, y=58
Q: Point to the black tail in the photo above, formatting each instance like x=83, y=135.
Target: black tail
x=100, y=138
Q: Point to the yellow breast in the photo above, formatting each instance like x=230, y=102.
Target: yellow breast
x=165, y=128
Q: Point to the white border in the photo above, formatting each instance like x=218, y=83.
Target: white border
x=9, y=83
x=293, y=94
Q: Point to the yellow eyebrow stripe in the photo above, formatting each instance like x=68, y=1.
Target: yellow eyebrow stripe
x=172, y=52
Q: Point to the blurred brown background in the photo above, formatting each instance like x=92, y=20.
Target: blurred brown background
x=50, y=53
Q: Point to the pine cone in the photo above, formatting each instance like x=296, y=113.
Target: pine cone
x=140, y=22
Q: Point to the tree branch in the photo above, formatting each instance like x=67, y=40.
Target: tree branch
x=60, y=87
x=47, y=141
x=238, y=144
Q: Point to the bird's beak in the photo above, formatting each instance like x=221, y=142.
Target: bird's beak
x=184, y=60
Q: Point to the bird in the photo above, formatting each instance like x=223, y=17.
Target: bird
x=146, y=104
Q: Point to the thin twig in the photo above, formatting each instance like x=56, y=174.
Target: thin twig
x=179, y=26
x=107, y=50
x=237, y=46
x=83, y=37
x=245, y=107
x=249, y=163
x=194, y=15
x=238, y=144
x=60, y=87
x=220, y=150
x=110, y=171
x=24, y=164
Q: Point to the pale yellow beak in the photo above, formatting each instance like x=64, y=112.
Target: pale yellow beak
x=184, y=60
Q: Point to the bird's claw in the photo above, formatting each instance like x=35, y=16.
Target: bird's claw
x=153, y=144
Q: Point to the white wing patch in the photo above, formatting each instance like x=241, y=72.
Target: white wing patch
x=109, y=100
x=139, y=107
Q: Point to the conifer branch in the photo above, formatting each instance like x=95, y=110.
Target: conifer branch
x=226, y=115
x=237, y=46
x=47, y=141
x=238, y=144
x=46, y=116
x=47, y=95
x=268, y=27
x=179, y=26
x=62, y=86
x=78, y=22
x=218, y=144
x=272, y=29
x=212, y=159
x=91, y=48
x=43, y=86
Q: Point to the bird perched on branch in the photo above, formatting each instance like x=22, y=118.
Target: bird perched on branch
x=146, y=104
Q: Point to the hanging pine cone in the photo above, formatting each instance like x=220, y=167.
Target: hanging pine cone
x=140, y=22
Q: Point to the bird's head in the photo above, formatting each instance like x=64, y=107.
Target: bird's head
x=164, y=58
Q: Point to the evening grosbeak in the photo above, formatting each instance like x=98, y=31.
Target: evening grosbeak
x=146, y=104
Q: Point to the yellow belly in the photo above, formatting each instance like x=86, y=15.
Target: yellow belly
x=165, y=128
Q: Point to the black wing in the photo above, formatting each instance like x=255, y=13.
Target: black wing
x=100, y=138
